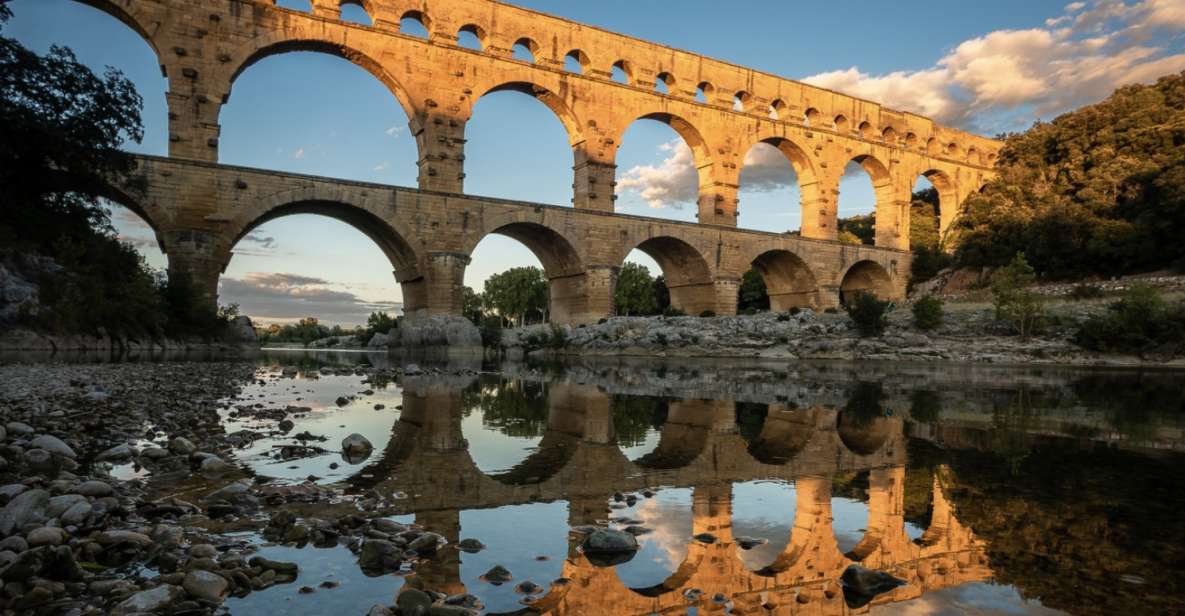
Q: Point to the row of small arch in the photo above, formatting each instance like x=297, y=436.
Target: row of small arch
x=623, y=71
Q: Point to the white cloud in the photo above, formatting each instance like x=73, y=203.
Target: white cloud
x=298, y=154
x=1005, y=79
x=672, y=183
x=383, y=166
x=267, y=297
x=394, y=131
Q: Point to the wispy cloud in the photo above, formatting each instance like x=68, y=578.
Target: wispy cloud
x=281, y=297
x=383, y=166
x=394, y=131
x=298, y=154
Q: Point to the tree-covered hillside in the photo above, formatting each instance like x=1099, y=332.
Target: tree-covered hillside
x=1098, y=191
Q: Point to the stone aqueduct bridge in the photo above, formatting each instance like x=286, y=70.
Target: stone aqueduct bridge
x=200, y=209
x=578, y=461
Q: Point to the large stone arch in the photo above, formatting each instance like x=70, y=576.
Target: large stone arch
x=789, y=281
x=701, y=152
x=865, y=276
x=278, y=42
x=135, y=18
x=785, y=432
x=948, y=198
x=688, y=272
x=562, y=260
x=556, y=103
x=399, y=244
x=811, y=189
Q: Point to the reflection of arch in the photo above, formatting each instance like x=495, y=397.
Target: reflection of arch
x=867, y=277
x=812, y=532
x=784, y=433
x=788, y=280
x=687, y=274
x=553, y=102
x=863, y=436
x=553, y=453
x=264, y=46
x=395, y=242
x=684, y=435
x=677, y=580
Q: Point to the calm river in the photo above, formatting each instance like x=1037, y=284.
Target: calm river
x=750, y=487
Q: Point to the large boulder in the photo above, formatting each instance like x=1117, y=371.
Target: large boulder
x=242, y=330
x=379, y=341
x=25, y=508
x=150, y=601
x=605, y=548
x=439, y=331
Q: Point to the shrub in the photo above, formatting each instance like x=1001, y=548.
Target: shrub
x=558, y=338
x=1086, y=291
x=707, y=314
x=869, y=314
x=831, y=310
x=795, y=310
x=671, y=311
x=927, y=313
x=491, y=332
x=1140, y=321
x=782, y=317
x=1015, y=304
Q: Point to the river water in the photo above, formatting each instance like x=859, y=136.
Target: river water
x=989, y=490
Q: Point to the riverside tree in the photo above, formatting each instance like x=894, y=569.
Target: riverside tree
x=517, y=293
x=635, y=291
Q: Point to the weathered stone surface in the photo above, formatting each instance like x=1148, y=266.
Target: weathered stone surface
x=206, y=586
x=53, y=445
x=150, y=601
x=25, y=508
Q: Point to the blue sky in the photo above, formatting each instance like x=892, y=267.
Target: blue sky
x=987, y=67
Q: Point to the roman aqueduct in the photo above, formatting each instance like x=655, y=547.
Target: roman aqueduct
x=200, y=208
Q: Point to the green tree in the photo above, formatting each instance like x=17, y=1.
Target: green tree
x=1015, y=303
x=61, y=132
x=471, y=305
x=1100, y=190
x=634, y=294
x=378, y=323
x=662, y=295
x=927, y=313
x=517, y=293
x=752, y=294
x=862, y=228
x=868, y=314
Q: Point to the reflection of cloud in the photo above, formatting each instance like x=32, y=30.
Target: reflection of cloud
x=284, y=297
x=1078, y=58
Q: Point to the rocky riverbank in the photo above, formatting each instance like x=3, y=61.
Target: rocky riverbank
x=969, y=333
x=77, y=537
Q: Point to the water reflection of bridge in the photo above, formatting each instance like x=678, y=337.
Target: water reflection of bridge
x=579, y=461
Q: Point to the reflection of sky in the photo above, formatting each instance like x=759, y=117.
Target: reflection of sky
x=515, y=536
x=973, y=598
x=326, y=419
x=661, y=552
x=493, y=451
x=763, y=510
x=649, y=444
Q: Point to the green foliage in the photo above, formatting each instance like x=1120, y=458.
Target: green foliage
x=868, y=314
x=634, y=416
x=707, y=314
x=559, y=337
x=303, y=331
x=1015, y=304
x=925, y=406
x=1100, y=190
x=635, y=293
x=752, y=295
x=927, y=313
x=858, y=229
x=61, y=130
x=378, y=323
x=517, y=293
x=1086, y=291
x=672, y=311
x=864, y=404
x=662, y=295
x=471, y=302
x=491, y=332
x=1141, y=321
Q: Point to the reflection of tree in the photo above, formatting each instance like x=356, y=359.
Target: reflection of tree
x=1135, y=404
x=1070, y=525
x=514, y=407
x=634, y=416
x=750, y=419
x=925, y=406
x=1011, y=425
x=864, y=404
